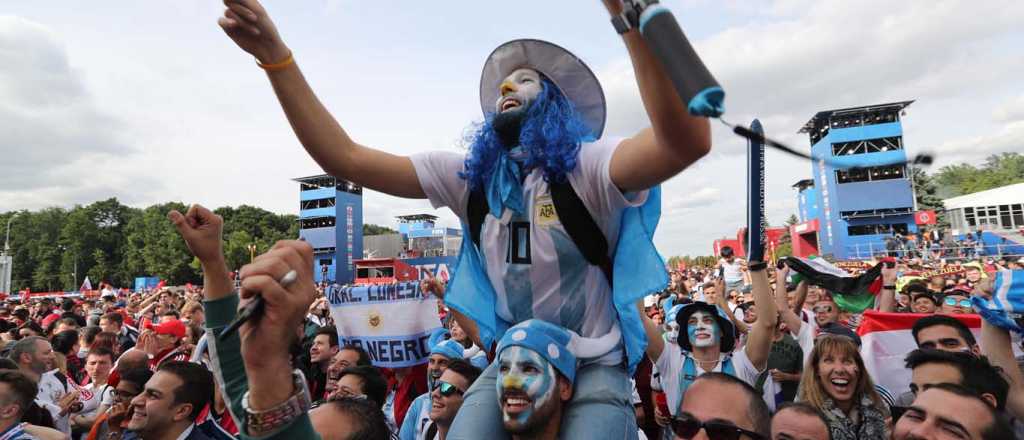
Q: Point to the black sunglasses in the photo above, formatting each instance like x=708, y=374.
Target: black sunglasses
x=687, y=427
x=447, y=389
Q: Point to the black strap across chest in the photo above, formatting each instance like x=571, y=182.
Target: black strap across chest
x=572, y=213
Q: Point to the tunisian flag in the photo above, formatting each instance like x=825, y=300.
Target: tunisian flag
x=886, y=339
x=925, y=217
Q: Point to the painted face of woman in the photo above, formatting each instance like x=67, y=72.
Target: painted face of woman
x=702, y=330
x=527, y=385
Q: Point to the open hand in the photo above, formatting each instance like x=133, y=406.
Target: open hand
x=201, y=229
x=250, y=27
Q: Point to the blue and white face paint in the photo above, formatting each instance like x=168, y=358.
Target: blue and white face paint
x=526, y=389
x=702, y=330
x=671, y=331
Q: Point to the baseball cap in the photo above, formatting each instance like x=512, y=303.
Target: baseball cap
x=837, y=329
x=173, y=327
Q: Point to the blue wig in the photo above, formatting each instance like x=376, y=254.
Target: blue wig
x=551, y=134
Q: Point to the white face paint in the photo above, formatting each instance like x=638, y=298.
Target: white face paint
x=672, y=331
x=702, y=330
x=526, y=383
x=518, y=90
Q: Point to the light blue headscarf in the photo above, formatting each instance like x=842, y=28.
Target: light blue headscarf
x=638, y=271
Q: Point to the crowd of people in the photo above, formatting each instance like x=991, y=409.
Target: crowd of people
x=738, y=350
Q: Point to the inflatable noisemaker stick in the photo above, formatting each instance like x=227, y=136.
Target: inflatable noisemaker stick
x=755, y=195
x=692, y=80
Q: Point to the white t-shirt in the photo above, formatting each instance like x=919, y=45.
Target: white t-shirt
x=92, y=398
x=542, y=275
x=733, y=271
x=51, y=389
x=672, y=359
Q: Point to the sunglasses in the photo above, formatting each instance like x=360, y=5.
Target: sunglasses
x=447, y=389
x=687, y=427
x=823, y=309
x=953, y=302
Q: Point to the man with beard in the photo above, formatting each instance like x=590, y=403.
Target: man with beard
x=417, y=419
x=35, y=357
x=536, y=374
x=540, y=140
x=170, y=402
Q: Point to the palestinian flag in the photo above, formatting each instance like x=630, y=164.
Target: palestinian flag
x=886, y=339
x=851, y=293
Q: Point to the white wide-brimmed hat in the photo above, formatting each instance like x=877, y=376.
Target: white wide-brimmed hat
x=572, y=77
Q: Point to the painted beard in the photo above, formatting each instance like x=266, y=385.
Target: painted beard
x=527, y=399
x=702, y=334
x=508, y=125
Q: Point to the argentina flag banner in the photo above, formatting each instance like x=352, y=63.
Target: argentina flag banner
x=1005, y=308
x=392, y=322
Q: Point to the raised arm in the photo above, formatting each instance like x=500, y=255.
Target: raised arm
x=887, y=302
x=655, y=343
x=800, y=298
x=787, y=314
x=675, y=139
x=997, y=345
x=759, y=342
x=249, y=25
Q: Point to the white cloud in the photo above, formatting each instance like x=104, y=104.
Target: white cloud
x=102, y=103
x=1011, y=111
x=49, y=119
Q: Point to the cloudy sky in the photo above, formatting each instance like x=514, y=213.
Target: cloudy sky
x=150, y=102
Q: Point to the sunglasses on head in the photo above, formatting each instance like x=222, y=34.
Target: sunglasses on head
x=446, y=389
x=950, y=301
x=687, y=427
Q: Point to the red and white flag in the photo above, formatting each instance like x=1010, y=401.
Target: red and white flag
x=886, y=340
x=925, y=217
x=86, y=285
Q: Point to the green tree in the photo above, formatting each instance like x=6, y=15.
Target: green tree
x=792, y=220
x=998, y=170
x=927, y=195
x=372, y=229
x=784, y=250
x=236, y=249
x=154, y=248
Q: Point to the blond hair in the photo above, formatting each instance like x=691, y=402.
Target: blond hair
x=812, y=390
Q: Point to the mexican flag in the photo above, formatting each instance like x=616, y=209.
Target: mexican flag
x=886, y=339
x=851, y=293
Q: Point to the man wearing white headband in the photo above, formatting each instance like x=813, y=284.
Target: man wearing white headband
x=540, y=142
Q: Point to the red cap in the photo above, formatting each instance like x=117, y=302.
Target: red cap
x=173, y=327
x=49, y=319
